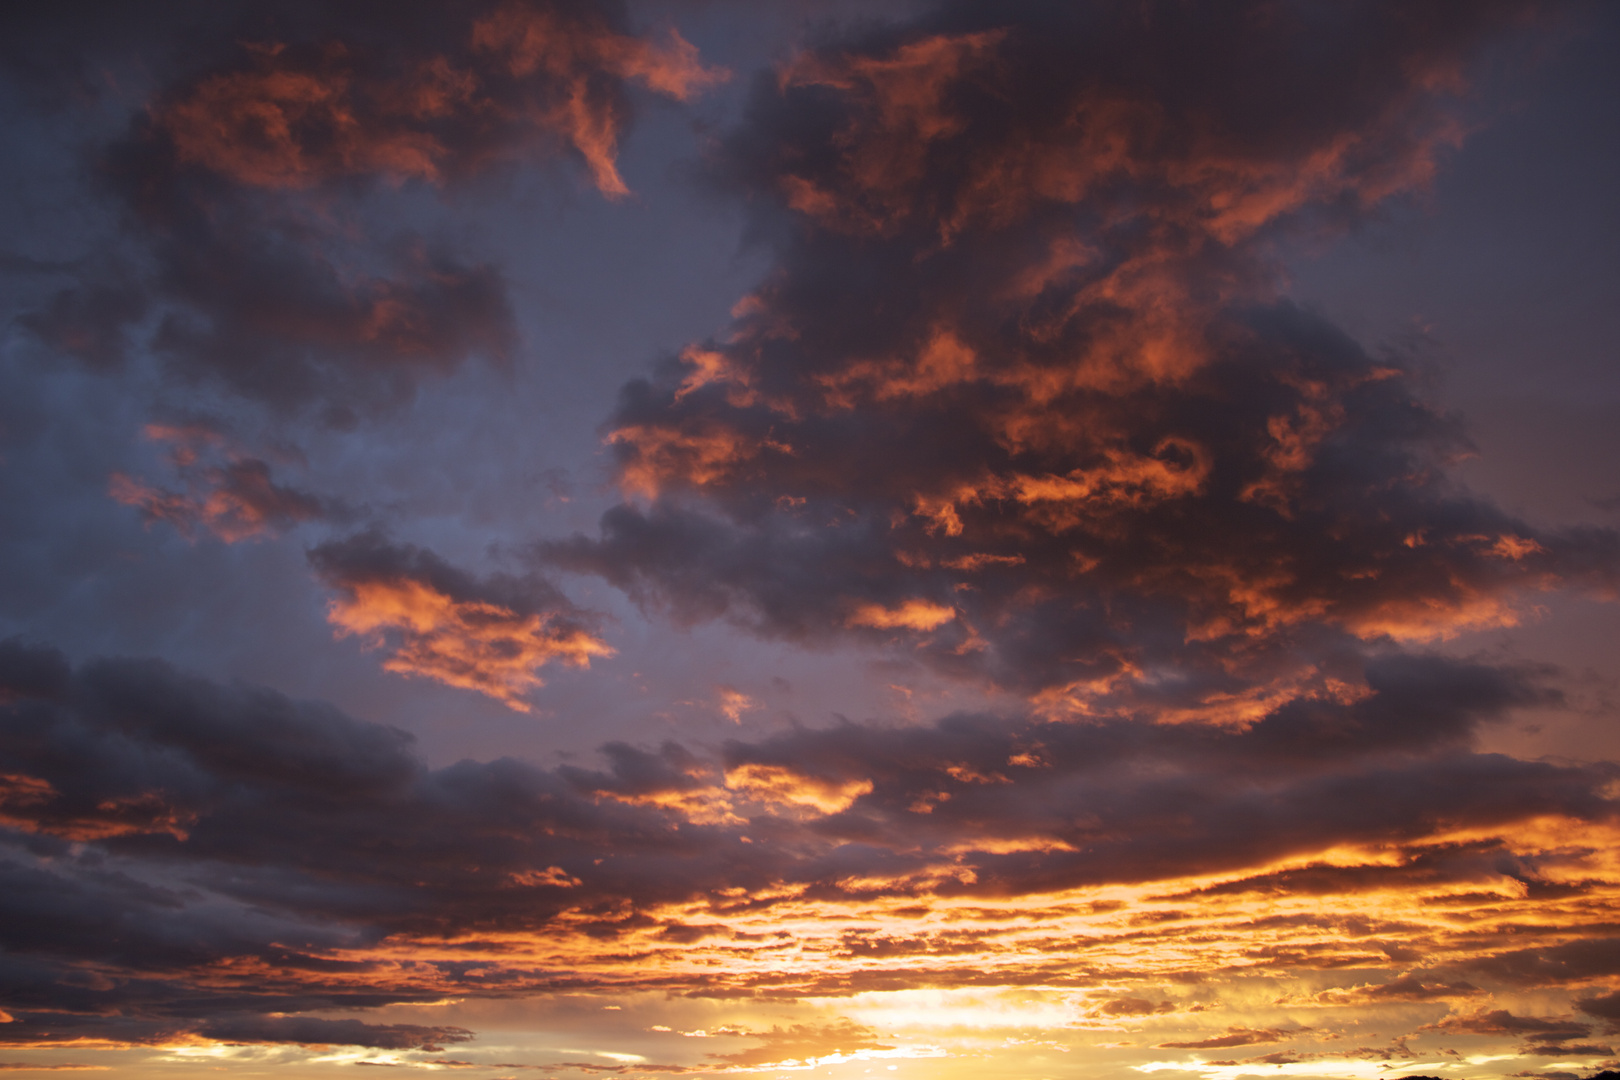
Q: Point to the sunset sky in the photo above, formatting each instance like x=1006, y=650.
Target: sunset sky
x=836, y=538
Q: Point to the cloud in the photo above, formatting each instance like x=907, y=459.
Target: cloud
x=1411, y=986
x=300, y=115
x=733, y=703
x=1020, y=396
x=1476, y=862
x=246, y=185
x=1567, y=1049
x=805, y=1043
x=313, y=1031
x=1503, y=1022
x=282, y=854
x=439, y=623
x=1603, y=1006
x=1133, y=1006
x=289, y=812
x=1238, y=1036
x=233, y=497
x=1020, y=399
x=1576, y=960
x=91, y=322
x=1059, y=805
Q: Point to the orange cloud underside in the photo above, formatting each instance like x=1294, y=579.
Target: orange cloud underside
x=469, y=644
x=1185, y=970
x=920, y=615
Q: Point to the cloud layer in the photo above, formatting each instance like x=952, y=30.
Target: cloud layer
x=288, y=858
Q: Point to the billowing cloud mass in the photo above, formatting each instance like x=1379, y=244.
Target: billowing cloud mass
x=439, y=623
x=1020, y=396
x=1023, y=629
x=244, y=182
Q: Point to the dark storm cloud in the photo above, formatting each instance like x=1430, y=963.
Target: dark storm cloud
x=232, y=838
x=154, y=764
x=1019, y=393
x=439, y=622
x=245, y=181
x=633, y=771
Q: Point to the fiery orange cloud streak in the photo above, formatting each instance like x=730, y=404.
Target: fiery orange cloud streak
x=471, y=644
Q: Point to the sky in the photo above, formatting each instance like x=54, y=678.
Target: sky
x=810, y=538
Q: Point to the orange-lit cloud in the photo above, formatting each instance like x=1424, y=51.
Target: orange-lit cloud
x=1110, y=878
x=1020, y=400
x=662, y=457
x=921, y=615
x=440, y=624
x=246, y=183
x=296, y=118
x=535, y=43
x=274, y=127
x=33, y=805
x=733, y=703
x=471, y=644
x=1024, y=348
x=774, y=784
x=227, y=494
